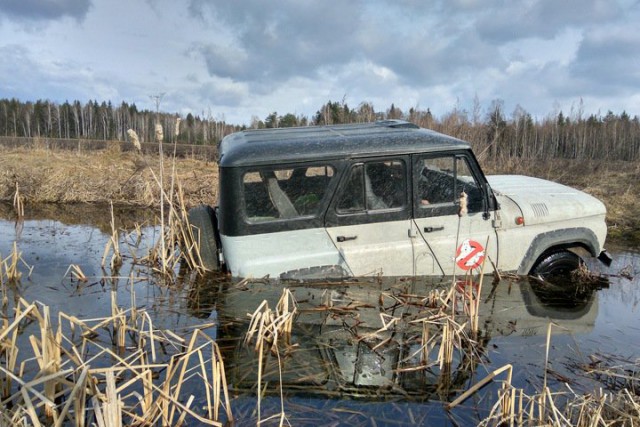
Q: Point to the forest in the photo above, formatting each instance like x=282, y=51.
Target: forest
x=494, y=133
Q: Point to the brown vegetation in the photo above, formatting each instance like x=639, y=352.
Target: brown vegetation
x=124, y=178
x=65, y=384
x=104, y=176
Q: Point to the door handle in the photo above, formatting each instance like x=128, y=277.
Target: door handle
x=345, y=238
x=432, y=229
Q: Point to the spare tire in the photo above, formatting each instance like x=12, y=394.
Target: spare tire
x=556, y=266
x=202, y=220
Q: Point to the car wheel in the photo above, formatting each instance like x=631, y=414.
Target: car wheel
x=556, y=267
x=202, y=219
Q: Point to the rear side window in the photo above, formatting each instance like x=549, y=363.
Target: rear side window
x=284, y=193
x=373, y=186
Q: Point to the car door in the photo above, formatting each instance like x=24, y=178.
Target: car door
x=369, y=220
x=438, y=183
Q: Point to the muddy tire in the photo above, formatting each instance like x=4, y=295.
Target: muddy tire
x=202, y=219
x=556, y=267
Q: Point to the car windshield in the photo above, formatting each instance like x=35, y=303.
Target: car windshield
x=272, y=194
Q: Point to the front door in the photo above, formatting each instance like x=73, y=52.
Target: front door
x=370, y=220
x=450, y=211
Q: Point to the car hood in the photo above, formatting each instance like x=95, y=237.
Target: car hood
x=544, y=201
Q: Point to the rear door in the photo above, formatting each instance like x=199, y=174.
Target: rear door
x=438, y=182
x=369, y=219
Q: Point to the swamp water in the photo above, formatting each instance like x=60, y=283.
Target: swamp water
x=354, y=353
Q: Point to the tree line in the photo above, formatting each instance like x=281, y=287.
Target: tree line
x=493, y=133
x=104, y=121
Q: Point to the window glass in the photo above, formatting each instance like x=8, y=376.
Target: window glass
x=436, y=181
x=272, y=194
x=469, y=185
x=441, y=182
x=374, y=186
x=352, y=198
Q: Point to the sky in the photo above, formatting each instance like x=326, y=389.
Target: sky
x=236, y=60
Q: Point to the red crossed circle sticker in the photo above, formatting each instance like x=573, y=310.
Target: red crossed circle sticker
x=470, y=254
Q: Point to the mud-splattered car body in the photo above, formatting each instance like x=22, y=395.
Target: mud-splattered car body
x=385, y=198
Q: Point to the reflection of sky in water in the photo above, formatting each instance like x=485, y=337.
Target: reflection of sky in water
x=617, y=329
x=610, y=326
x=50, y=247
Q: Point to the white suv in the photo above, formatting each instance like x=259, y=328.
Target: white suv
x=385, y=198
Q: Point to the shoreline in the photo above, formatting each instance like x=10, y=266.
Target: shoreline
x=130, y=179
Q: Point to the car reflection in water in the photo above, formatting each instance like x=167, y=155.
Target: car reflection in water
x=365, y=339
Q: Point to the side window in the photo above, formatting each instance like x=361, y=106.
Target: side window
x=374, y=186
x=352, y=198
x=439, y=184
x=273, y=194
x=468, y=184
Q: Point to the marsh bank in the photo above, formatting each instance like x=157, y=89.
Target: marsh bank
x=41, y=175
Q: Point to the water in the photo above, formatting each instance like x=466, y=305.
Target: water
x=342, y=366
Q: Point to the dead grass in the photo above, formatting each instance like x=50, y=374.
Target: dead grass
x=618, y=406
x=65, y=382
x=52, y=176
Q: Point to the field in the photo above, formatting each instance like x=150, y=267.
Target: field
x=126, y=178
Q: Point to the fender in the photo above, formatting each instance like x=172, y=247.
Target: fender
x=564, y=238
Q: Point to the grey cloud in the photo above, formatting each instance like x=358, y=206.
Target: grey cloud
x=420, y=61
x=221, y=95
x=289, y=39
x=225, y=61
x=609, y=63
x=25, y=77
x=543, y=18
x=278, y=41
x=45, y=10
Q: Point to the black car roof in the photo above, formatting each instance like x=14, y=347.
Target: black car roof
x=302, y=144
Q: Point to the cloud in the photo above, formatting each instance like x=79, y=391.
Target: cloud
x=274, y=42
x=543, y=18
x=37, y=10
x=247, y=58
x=26, y=77
x=223, y=92
x=226, y=61
x=608, y=62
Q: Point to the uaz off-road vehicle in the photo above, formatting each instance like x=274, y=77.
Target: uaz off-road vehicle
x=385, y=198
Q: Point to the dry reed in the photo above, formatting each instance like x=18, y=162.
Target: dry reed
x=9, y=266
x=112, y=246
x=566, y=408
x=177, y=242
x=18, y=202
x=65, y=383
x=76, y=273
x=267, y=330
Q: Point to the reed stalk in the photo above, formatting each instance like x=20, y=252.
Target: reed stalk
x=57, y=388
x=18, y=203
x=112, y=246
x=9, y=266
x=76, y=273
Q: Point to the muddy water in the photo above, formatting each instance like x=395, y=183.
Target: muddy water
x=343, y=367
